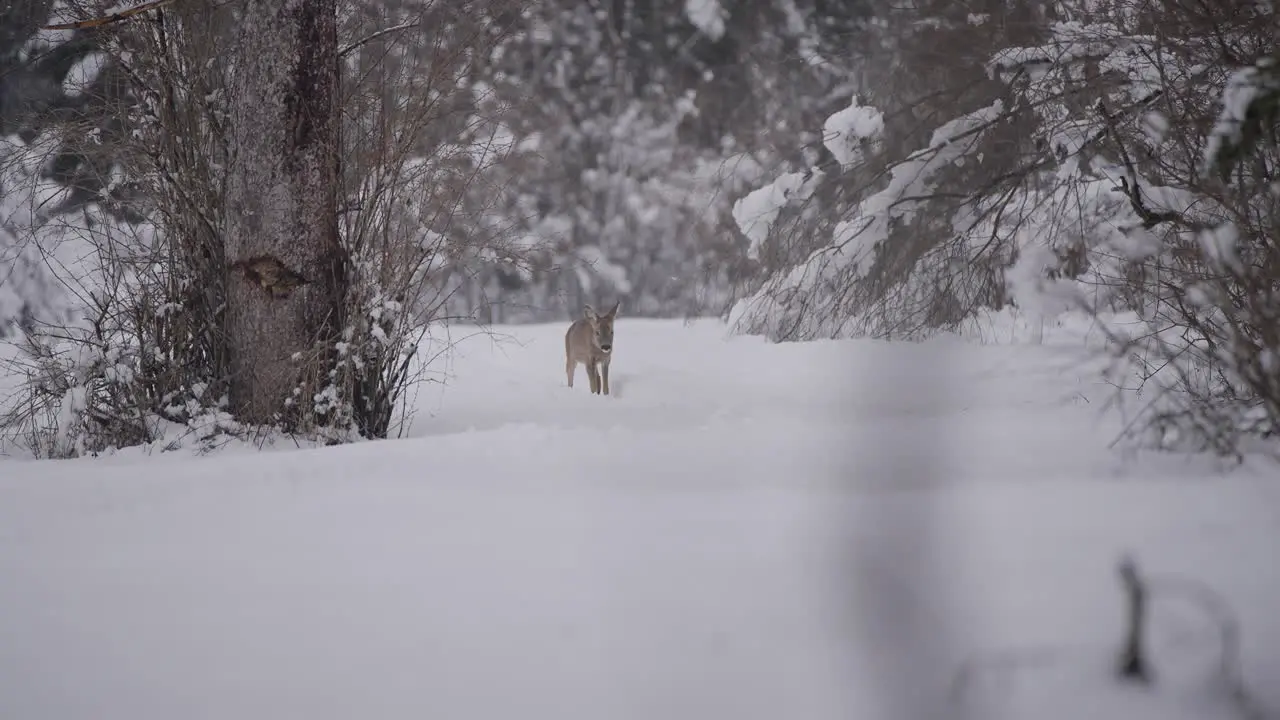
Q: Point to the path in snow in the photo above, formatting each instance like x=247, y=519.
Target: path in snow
x=866, y=412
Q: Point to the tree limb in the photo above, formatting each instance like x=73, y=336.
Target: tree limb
x=370, y=38
x=109, y=19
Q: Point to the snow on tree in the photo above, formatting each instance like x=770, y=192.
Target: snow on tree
x=756, y=212
x=707, y=15
x=804, y=301
x=1109, y=168
x=1250, y=108
x=847, y=131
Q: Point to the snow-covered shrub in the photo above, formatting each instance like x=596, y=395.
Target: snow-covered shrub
x=124, y=363
x=92, y=301
x=140, y=349
x=423, y=145
x=1105, y=164
x=862, y=278
x=1172, y=219
x=612, y=206
x=634, y=128
x=903, y=229
x=138, y=354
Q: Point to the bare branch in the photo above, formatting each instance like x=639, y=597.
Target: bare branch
x=110, y=19
x=374, y=36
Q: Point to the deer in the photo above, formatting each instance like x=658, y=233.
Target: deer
x=589, y=341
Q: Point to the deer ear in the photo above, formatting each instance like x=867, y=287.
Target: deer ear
x=614, y=312
x=589, y=313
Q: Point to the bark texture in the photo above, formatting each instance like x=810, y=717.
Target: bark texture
x=286, y=275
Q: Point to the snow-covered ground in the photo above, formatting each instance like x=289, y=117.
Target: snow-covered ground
x=741, y=531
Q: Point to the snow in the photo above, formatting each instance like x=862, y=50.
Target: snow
x=1155, y=126
x=83, y=73
x=1219, y=244
x=742, y=530
x=845, y=131
x=1030, y=285
x=757, y=211
x=855, y=240
x=1242, y=88
x=708, y=16
x=614, y=275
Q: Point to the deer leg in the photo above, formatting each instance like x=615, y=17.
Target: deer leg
x=604, y=376
x=569, y=367
x=593, y=377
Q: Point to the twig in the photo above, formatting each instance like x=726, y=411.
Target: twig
x=1129, y=185
x=1133, y=665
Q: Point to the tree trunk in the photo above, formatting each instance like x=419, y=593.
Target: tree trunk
x=286, y=274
